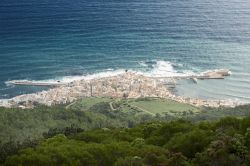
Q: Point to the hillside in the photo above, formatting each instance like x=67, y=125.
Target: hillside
x=26, y=128
x=176, y=143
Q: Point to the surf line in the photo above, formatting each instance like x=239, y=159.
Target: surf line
x=211, y=74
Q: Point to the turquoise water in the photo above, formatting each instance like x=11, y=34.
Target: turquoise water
x=64, y=40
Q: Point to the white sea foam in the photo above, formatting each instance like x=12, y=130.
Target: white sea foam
x=159, y=69
x=143, y=64
x=166, y=69
x=68, y=79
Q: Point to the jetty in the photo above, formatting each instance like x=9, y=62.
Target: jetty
x=211, y=74
x=36, y=83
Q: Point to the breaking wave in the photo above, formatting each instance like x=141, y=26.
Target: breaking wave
x=166, y=69
x=157, y=69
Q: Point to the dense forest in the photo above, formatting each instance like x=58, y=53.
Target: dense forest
x=91, y=133
x=176, y=143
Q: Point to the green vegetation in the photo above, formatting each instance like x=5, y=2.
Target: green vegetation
x=163, y=106
x=26, y=128
x=87, y=103
x=176, y=143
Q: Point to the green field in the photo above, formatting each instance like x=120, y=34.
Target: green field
x=164, y=106
x=150, y=106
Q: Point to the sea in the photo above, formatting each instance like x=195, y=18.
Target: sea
x=62, y=40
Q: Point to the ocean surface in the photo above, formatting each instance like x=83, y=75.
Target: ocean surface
x=45, y=40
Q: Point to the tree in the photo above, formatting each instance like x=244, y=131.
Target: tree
x=189, y=143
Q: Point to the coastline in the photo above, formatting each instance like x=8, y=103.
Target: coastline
x=123, y=85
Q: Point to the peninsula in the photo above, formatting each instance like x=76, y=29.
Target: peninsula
x=126, y=85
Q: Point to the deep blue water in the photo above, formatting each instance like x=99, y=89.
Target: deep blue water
x=46, y=39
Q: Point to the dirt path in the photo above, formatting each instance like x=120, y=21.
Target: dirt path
x=67, y=107
x=131, y=105
x=141, y=109
x=111, y=106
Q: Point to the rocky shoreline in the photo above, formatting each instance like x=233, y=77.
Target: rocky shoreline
x=126, y=85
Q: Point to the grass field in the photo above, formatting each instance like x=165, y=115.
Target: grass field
x=160, y=106
x=151, y=106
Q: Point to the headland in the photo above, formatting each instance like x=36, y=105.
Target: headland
x=126, y=85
